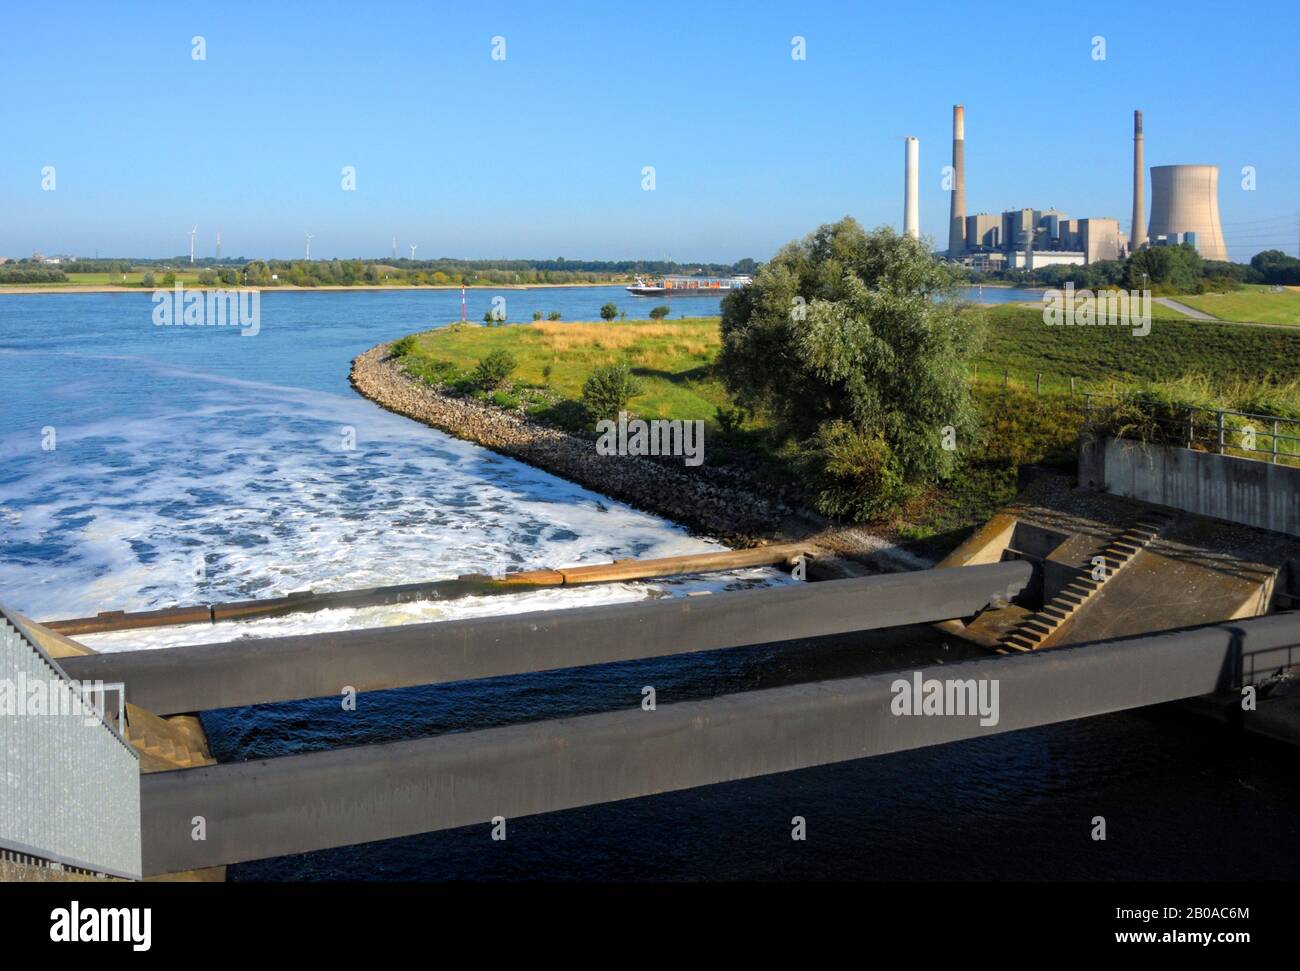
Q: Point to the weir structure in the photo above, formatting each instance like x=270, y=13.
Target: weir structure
x=296, y=803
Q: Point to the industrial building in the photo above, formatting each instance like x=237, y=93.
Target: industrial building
x=1020, y=238
x=1185, y=209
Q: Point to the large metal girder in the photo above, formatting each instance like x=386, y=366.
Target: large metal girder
x=276, y=807
x=256, y=671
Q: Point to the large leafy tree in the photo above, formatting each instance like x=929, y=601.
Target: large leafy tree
x=849, y=333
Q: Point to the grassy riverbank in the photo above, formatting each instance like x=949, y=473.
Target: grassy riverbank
x=1261, y=304
x=673, y=361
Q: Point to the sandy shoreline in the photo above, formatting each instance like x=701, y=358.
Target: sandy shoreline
x=292, y=289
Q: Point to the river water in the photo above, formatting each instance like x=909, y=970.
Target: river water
x=145, y=466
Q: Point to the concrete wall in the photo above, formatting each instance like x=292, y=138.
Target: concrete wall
x=1238, y=490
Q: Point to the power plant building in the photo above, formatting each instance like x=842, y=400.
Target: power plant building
x=1018, y=238
x=1185, y=208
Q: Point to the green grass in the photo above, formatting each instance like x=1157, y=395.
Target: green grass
x=1206, y=363
x=1258, y=304
x=133, y=279
x=673, y=360
x=1017, y=340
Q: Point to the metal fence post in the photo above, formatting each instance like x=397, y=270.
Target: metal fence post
x=1220, y=433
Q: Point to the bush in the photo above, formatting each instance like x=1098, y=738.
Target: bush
x=607, y=391
x=609, y=311
x=841, y=340
x=207, y=278
x=553, y=315
x=730, y=420
x=850, y=474
x=431, y=370
x=537, y=315
x=169, y=279
x=659, y=313
x=493, y=370
x=149, y=281
x=403, y=346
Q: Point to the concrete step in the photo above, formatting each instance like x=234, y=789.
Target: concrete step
x=1018, y=643
x=1041, y=626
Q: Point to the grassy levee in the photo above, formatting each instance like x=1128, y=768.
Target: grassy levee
x=1203, y=362
x=1017, y=340
x=1254, y=303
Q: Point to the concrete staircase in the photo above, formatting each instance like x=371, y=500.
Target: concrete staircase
x=165, y=743
x=1035, y=631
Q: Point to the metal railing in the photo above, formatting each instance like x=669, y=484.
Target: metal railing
x=69, y=782
x=1268, y=438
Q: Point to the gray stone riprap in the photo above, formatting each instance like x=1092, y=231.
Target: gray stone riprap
x=720, y=502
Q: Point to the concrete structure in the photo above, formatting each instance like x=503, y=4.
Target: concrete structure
x=1136, y=234
x=1100, y=239
x=1036, y=259
x=983, y=231
x=1185, y=199
x=957, y=207
x=1246, y=491
x=911, y=188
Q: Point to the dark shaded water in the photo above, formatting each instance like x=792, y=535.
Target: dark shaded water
x=193, y=465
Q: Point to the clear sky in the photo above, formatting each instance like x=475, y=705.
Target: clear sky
x=541, y=154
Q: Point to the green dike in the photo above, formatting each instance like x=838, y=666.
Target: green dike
x=1260, y=304
x=674, y=362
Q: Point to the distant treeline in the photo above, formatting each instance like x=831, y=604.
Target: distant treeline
x=1173, y=268
x=435, y=272
x=31, y=273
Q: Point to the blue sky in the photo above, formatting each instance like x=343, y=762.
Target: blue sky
x=541, y=155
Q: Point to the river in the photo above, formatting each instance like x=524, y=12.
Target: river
x=145, y=466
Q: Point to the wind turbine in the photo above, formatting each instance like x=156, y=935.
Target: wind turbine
x=192, y=233
x=413, y=245
x=394, y=247
x=309, y=239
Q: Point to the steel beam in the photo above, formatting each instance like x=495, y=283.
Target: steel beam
x=276, y=807
x=247, y=672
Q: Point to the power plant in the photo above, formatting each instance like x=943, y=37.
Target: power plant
x=911, y=183
x=957, y=208
x=1185, y=209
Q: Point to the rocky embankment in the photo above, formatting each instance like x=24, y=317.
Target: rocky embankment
x=719, y=502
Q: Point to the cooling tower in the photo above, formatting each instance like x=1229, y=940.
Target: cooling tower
x=1185, y=199
x=957, y=212
x=911, y=180
x=1136, y=236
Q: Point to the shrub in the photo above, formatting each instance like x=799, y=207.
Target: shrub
x=537, y=315
x=851, y=474
x=659, y=313
x=431, y=370
x=607, y=391
x=207, y=278
x=730, y=420
x=553, y=315
x=846, y=326
x=609, y=311
x=149, y=281
x=403, y=346
x=493, y=370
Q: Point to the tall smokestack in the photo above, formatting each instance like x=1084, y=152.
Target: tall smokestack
x=957, y=212
x=911, y=182
x=1137, y=235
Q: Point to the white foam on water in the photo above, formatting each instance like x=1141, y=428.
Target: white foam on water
x=253, y=482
